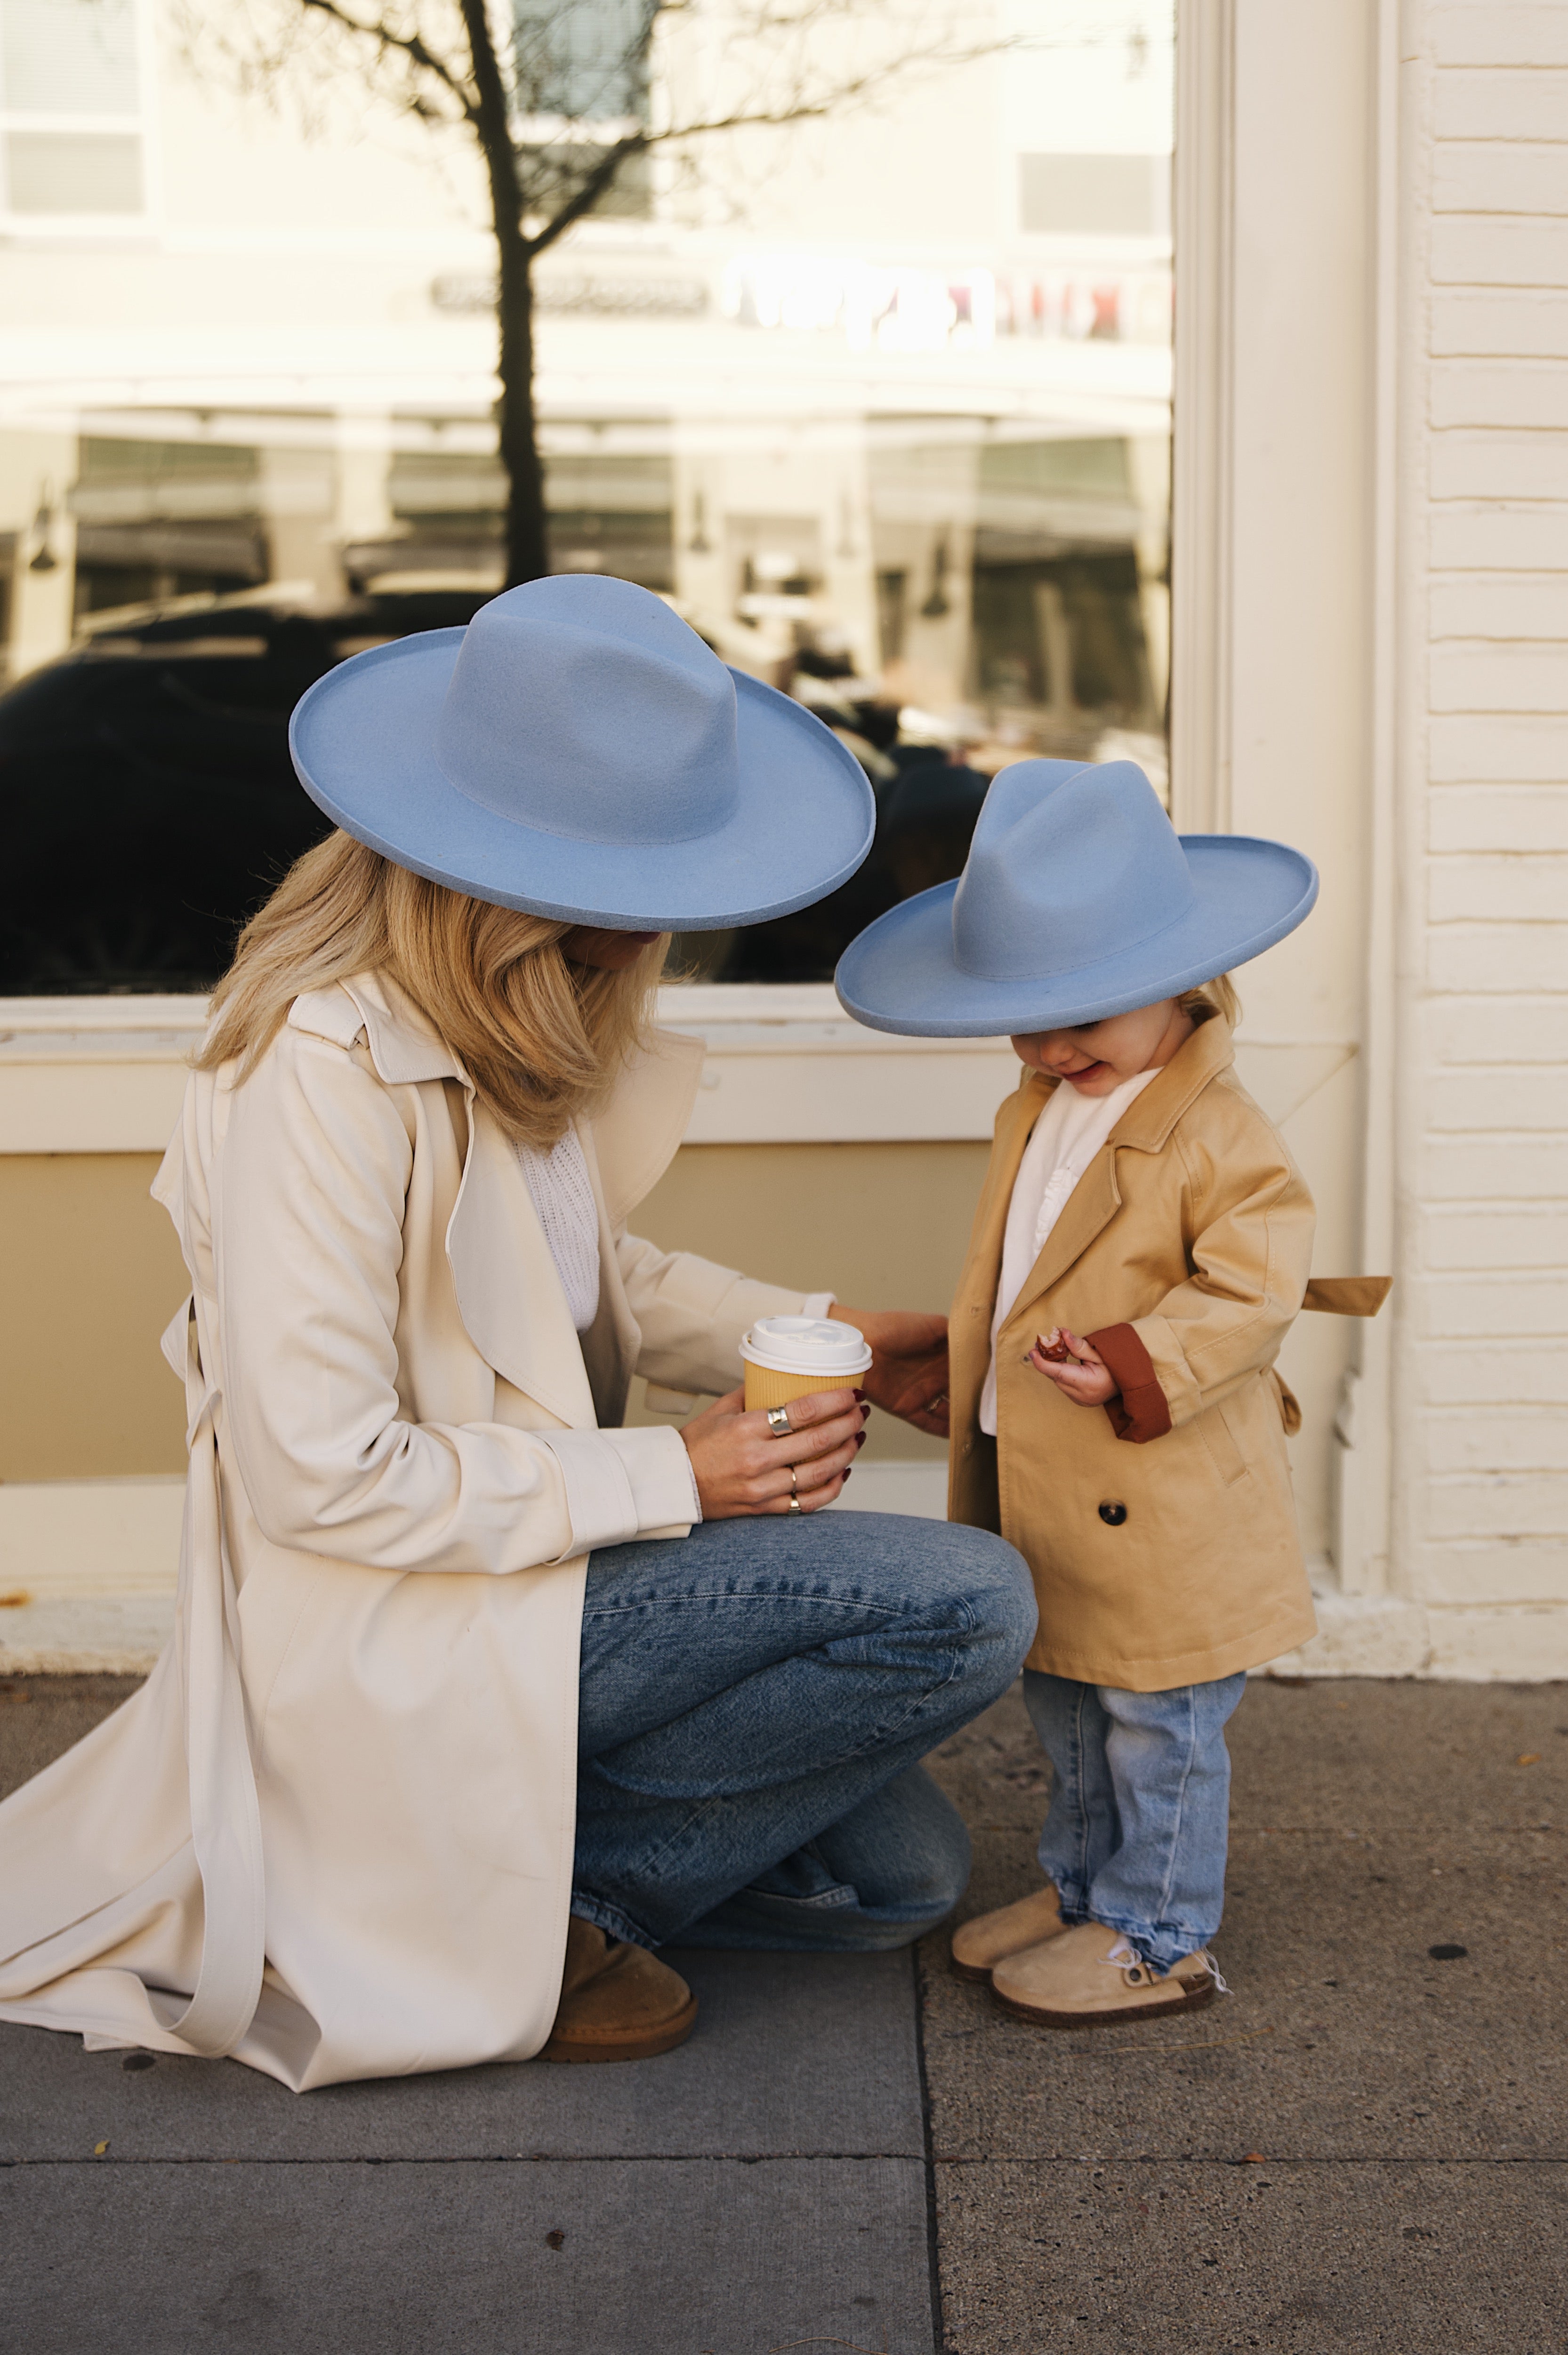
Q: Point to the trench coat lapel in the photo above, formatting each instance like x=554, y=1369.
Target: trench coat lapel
x=1143, y=1127
x=969, y=1332
x=510, y=1293
x=1091, y=1206
x=627, y=1147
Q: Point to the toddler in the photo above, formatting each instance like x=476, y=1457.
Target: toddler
x=1141, y=1247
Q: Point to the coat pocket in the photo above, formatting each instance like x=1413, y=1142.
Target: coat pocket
x=1218, y=1436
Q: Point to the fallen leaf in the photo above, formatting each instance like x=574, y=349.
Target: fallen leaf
x=1527, y=1758
x=556, y=2240
x=1251, y=2158
x=16, y=1600
x=99, y=2149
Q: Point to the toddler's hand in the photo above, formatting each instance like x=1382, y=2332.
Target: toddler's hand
x=1076, y=1367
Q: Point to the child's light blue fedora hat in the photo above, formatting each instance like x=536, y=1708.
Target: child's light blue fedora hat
x=578, y=753
x=1079, y=900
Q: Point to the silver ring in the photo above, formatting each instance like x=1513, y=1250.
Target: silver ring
x=779, y=1423
x=795, y=1506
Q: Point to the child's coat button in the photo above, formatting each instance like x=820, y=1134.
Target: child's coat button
x=1113, y=1515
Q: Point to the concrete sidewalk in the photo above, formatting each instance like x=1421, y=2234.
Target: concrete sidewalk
x=1363, y=2148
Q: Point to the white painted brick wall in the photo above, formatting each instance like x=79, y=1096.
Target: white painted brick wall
x=1481, y=1431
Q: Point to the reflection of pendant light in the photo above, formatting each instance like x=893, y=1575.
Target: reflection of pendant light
x=698, y=542
x=936, y=604
x=44, y=558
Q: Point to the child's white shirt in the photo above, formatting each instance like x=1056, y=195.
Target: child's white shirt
x=1067, y=1135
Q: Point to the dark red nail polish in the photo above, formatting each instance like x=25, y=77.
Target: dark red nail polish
x=860, y=1439
x=861, y=1396
x=846, y=1472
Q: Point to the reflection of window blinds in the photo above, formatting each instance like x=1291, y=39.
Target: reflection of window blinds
x=1114, y=196
x=586, y=61
x=75, y=60
x=69, y=56
x=73, y=172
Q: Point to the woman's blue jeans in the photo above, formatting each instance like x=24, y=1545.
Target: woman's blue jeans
x=1139, y=1819
x=755, y=1702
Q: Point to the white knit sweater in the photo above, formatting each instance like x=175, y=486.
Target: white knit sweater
x=562, y=1194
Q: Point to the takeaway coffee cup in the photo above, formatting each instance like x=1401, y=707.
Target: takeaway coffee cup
x=786, y=1356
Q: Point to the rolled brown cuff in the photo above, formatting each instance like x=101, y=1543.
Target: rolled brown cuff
x=1141, y=1413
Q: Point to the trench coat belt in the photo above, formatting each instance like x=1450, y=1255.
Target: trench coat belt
x=224, y=1815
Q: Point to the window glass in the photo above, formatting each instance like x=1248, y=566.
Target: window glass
x=880, y=402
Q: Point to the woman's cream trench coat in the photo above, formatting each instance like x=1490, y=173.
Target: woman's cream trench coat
x=1160, y=1530
x=333, y=1833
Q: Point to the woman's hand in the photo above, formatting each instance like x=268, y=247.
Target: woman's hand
x=1080, y=1372
x=742, y=1468
x=908, y=1372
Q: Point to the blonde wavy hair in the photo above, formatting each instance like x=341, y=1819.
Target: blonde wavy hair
x=1211, y=998
x=541, y=1038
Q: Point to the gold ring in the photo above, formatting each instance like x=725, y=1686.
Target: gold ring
x=793, y=1483
x=795, y=1506
x=779, y=1423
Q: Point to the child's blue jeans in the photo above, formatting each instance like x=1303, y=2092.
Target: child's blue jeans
x=1137, y=1832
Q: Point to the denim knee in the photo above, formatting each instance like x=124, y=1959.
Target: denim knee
x=947, y=1865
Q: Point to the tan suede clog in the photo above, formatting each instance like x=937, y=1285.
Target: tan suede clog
x=1090, y=1974
x=980, y=1945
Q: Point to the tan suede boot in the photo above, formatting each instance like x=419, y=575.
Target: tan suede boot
x=1090, y=1974
x=980, y=1945
x=617, y=2002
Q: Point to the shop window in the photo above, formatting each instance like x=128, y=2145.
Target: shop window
x=909, y=469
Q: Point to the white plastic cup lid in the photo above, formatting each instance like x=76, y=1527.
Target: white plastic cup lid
x=806, y=1344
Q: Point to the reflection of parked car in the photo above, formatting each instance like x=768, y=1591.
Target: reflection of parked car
x=149, y=804
x=146, y=795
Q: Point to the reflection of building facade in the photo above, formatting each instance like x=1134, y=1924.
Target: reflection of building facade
x=946, y=459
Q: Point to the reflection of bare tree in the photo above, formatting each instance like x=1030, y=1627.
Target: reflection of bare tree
x=565, y=99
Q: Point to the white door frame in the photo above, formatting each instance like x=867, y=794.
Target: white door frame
x=1242, y=67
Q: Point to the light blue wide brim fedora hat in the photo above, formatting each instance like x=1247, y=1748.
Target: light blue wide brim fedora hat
x=1079, y=900
x=579, y=752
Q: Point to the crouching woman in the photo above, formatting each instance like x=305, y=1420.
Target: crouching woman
x=477, y=1698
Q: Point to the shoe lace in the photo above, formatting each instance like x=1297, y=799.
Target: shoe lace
x=1124, y=1957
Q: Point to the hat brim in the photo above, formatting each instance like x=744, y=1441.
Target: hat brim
x=901, y=975
x=363, y=740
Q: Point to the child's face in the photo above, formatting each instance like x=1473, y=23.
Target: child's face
x=1097, y=1057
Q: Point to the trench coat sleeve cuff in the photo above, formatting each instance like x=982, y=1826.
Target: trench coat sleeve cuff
x=617, y=1489
x=1141, y=1413
x=664, y=1485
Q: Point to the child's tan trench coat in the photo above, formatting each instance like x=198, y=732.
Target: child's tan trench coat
x=333, y=1834
x=1161, y=1531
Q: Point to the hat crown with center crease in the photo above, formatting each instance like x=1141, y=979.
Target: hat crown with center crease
x=579, y=752
x=1068, y=864
x=567, y=694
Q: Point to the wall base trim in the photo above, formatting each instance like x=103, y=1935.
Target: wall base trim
x=88, y=1570
x=86, y=1635
x=1388, y=1635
